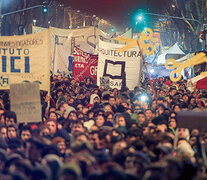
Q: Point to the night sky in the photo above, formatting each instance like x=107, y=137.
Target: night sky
x=118, y=12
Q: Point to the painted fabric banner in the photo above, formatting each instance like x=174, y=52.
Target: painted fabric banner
x=64, y=40
x=25, y=59
x=84, y=65
x=120, y=67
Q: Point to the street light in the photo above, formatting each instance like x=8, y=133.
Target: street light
x=44, y=9
x=112, y=29
x=140, y=17
x=21, y=10
x=177, y=17
x=172, y=17
x=34, y=21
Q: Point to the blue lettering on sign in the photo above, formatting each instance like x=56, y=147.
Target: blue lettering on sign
x=12, y=64
x=70, y=64
x=26, y=81
x=27, y=65
x=13, y=58
x=3, y=63
x=4, y=81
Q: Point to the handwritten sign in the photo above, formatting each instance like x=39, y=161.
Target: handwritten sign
x=104, y=81
x=25, y=102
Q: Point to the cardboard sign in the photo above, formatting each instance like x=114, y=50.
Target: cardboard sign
x=192, y=120
x=25, y=102
x=104, y=81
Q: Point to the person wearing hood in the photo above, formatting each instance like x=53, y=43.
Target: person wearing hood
x=94, y=99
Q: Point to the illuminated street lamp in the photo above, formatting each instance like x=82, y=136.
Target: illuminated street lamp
x=173, y=17
x=166, y=16
x=140, y=17
x=44, y=9
x=112, y=29
x=34, y=21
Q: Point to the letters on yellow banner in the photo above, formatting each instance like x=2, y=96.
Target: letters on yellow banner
x=172, y=64
x=131, y=43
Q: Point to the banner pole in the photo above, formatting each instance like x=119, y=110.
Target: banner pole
x=94, y=39
x=149, y=77
x=194, y=89
x=48, y=36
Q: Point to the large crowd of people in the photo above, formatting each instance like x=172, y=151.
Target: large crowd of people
x=89, y=132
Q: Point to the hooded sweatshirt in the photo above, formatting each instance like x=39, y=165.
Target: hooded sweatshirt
x=93, y=96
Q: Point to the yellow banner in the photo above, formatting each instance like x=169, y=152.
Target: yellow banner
x=25, y=59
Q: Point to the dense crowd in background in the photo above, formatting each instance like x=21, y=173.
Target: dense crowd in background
x=88, y=132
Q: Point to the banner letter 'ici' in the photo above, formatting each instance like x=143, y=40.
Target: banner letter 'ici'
x=12, y=68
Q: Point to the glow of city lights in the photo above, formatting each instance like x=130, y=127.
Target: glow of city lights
x=45, y=9
x=144, y=98
x=34, y=21
x=112, y=29
x=140, y=17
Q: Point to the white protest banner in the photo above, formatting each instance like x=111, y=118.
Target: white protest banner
x=25, y=102
x=85, y=38
x=63, y=42
x=25, y=59
x=37, y=29
x=118, y=66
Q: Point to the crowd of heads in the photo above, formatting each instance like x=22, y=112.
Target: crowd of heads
x=89, y=132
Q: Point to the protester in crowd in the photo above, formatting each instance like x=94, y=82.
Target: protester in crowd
x=3, y=131
x=12, y=131
x=90, y=133
x=25, y=133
